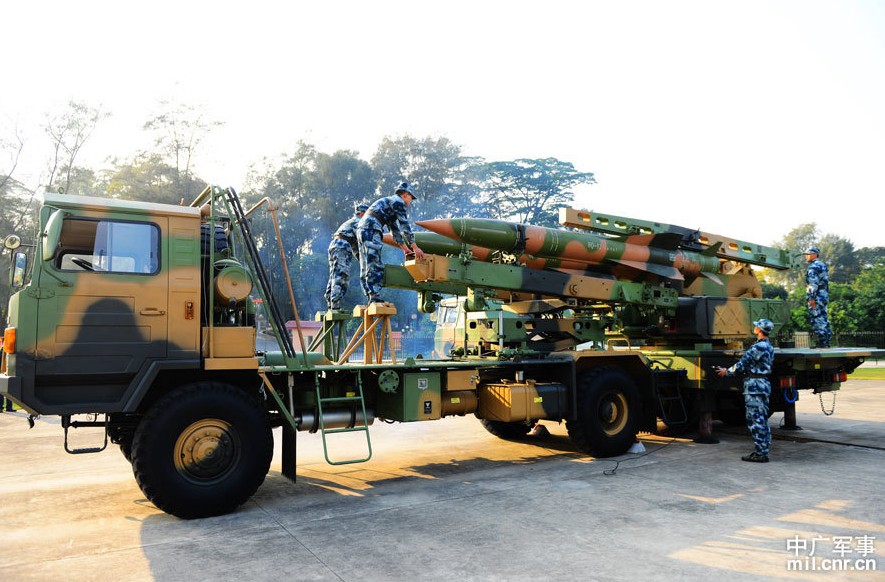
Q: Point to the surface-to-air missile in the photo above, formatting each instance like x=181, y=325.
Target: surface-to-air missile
x=436, y=244
x=658, y=254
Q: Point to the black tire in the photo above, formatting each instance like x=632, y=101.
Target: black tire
x=608, y=413
x=126, y=449
x=202, y=450
x=507, y=430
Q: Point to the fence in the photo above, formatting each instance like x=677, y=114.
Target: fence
x=403, y=347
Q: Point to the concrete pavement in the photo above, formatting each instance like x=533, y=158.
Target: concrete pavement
x=446, y=500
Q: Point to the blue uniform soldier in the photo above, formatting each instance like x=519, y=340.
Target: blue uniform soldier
x=755, y=367
x=342, y=250
x=387, y=212
x=817, y=293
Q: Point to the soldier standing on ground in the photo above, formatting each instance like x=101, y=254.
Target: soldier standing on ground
x=817, y=294
x=755, y=367
x=389, y=212
x=342, y=250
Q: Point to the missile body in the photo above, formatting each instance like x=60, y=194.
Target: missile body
x=654, y=253
x=436, y=244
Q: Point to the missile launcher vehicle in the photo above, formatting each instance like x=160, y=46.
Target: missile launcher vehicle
x=135, y=323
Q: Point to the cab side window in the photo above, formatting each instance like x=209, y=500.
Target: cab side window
x=109, y=246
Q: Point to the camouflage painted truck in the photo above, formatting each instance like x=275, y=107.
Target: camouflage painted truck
x=137, y=320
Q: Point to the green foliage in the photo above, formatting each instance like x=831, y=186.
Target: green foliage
x=532, y=191
x=838, y=253
x=447, y=183
x=80, y=181
x=867, y=307
x=151, y=179
x=869, y=257
x=840, y=309
x=771, y=291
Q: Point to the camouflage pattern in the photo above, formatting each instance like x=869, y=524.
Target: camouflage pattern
x=740, y=281
x=757, y=421
x=390, y=212
x=817, y=280
x=387, y=212
x=656, y=254
x=755, y=365
x=725, y=247
x=134, y=298
x=342, y=250
x=371, y=265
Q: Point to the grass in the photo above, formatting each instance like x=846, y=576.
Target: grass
x=868, y=374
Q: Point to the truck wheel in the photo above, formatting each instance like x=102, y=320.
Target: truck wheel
x=126, y=449
x=202, y=450
x=608, y=413
x=507, y=430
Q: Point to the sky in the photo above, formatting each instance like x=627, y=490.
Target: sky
x=740, y=118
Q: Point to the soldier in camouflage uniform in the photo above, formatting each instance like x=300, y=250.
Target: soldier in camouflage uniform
x=389, y=212
x=342, y=250
x=755, y=366
x=817, y=293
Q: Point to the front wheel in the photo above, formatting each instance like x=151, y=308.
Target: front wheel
x=202, y=450
x=608, y=413
x=507, y=430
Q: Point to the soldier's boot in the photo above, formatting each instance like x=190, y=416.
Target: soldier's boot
x=755, y=457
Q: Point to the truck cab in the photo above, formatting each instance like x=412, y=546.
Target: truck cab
x=114, y=296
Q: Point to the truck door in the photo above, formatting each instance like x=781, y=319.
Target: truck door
x=107, y=315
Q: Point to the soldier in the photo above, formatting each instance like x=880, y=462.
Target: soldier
x=389, y=212
x=755, y=366
x=817, y=293
x=342, y=249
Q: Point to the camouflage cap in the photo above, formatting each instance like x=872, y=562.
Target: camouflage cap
x=360, y=208
x=812, y=251
x=404, y=187
x=765, y=325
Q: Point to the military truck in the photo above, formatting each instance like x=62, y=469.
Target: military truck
x=136, y=321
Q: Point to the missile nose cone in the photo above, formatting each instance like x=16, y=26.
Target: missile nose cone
x=441, y=226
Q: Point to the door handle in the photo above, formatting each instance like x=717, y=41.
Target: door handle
x=152, y=311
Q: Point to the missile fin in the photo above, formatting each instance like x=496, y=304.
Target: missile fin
x=665, y=271
x=712, y=250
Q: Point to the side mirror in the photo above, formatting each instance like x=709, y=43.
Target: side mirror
x=18, y=270
x=51, y=234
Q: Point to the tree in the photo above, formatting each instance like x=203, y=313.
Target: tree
x=179, y=129
x=838, y=253
x=447, y=183
x=314, y=192
x=68, y=131
x=869, y=257
x=11, y=146
x=149, y=178
x=532, y=190
x=867, y=307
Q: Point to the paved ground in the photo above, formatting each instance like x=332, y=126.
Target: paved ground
x=448, y=501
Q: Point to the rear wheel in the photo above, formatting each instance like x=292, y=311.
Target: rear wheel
x=202, y=450
x=607, y=414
